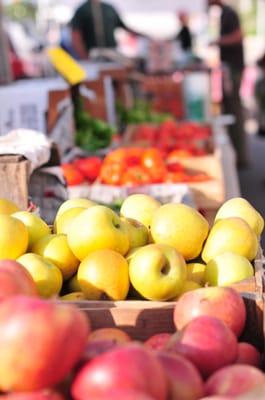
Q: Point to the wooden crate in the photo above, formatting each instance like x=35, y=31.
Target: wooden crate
x=142, y=319
x=14, y=176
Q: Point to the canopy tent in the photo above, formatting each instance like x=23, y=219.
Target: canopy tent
x=158, y=5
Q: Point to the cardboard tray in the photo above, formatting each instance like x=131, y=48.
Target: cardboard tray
x=142, y=319
x=209, y=195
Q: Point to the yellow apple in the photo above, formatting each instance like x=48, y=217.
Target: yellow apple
x=74, y=296
x=73, y=285
x=181, y=227
x=14, y=237
x=8, y=207
x=36, y=227
x=56, y=249
x=157, y=272
x=196, y=272
x=46, y=275
x=97, y=228
x=188, y=286
x=106, y=271
x=73, y=203
x=137, y=232
x=231, y=235
x=239, y=207
x=228, y=268
x=64, y=222
x=140, y=207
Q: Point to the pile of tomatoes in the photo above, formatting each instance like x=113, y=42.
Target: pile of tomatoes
x=190, y=138
x=132, y=166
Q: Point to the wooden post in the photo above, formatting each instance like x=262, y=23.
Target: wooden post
x=5, y=71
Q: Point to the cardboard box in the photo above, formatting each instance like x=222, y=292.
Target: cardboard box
x=14, y=176
x=43, y=105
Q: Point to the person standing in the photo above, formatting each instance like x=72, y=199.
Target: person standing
x=230, y=43
x=184, y=36
x=93, y=26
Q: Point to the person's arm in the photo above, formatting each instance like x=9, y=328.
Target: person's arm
x=231, y=38
x=78, y=44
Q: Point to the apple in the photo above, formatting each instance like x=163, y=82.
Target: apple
x=36, y=227
x=231, y=235
x=185, y=380
x=74, y=296
x=239, y=207
x=14, y=237
x=73, y=285
x=96, y=347
x=248, y=354
x=97, y=228
x=228, y=268
x=217, y=398
x=140, y=207
x=157, y=272
x=15, y=280
x=64, y=222
x=181, y=227
x=225, y=303
x=234, y=380
x=114, y=334
x=123, y=395
x=47, y=277
x=207, y=342
x=104, y=271
x=36, y=342
x=130, y=367
x=196, y=272
x=158, y=341
x=56, y=249
x=8, y=207
x=73, y=203
x=137, y=232
x=33, y=396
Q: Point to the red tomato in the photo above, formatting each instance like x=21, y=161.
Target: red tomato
x=72, y=175
x=176, y=177
x=111, y=173
x=152, y=158
x=89, y=167
x=136, y=176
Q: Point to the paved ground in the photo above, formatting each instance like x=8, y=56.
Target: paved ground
x=252, y=180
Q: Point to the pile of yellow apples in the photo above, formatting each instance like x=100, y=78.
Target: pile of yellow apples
x=150, y=251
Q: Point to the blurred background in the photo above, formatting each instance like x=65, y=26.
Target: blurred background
x=150, y=45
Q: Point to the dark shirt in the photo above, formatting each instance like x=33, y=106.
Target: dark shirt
x=232, y=55
x=83, y=21
x=185, y=39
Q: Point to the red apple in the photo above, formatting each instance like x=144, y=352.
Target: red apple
x=207, y=342
x=234, y=380
x=217, y=398
x=221, y=302
x=97, y=347
x=123, y=395
x=33, y=396
x=130, y=367
x=112, y=334
x=248, y=354
x=40, y=342
x=185, y=380
x=15, y=280
x=158, y=341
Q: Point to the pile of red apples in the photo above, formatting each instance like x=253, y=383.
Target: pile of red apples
x=48, y=351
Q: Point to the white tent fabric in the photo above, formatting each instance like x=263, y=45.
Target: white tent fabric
x=158, y=5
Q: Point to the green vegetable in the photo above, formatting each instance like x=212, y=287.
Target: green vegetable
x=140, y=112
x=91, y=134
